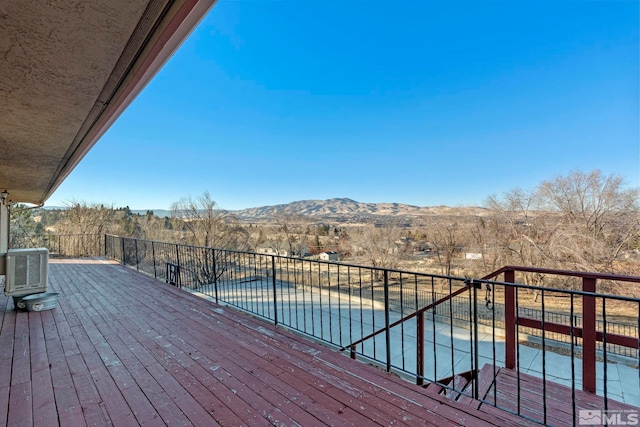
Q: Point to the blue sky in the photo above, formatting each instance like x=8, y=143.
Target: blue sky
x=417, y=102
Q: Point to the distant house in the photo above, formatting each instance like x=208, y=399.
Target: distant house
x=328, y=256
x=272, y=248
x=281, y=249
x=472, y=255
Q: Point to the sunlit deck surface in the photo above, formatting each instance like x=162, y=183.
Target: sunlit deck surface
x=124, y=349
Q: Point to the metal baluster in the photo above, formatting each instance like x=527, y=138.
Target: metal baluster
x=339, y=307
x=402, y=316
x=137, y=261
x=604, y=351
x=476, y=362
x=275, y=295
x=573, y=364
x=493, y=342
x=433, y=330
x=517, y=348
x=350, y=305
x=544, y=363
x=386, y=319
x=214, y=265
x=361, y=308
x=453, y=371
x=330, y=305
x=153, y=258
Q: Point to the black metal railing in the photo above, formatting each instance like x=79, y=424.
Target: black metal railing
x=92, y=245
x=553, y=339
x=65, y=245
x=336, y=303
x=439, y=330
x=591, y=338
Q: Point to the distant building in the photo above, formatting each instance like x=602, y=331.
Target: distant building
x=272, y=248
x=281, y=249
x=328, y=256
x=472, y=255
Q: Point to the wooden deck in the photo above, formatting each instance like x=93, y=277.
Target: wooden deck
x=125, y=349
x=559, y=410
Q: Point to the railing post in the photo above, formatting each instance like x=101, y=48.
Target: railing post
x=588, y=336
x=386, y=319
x=215, y=274
x=137, y=259
x=105, y=246
x=178, y=272
x=153, y=255
x=275, y=293
x=510, y=314
x=420, y=349
x=122, y=258
x=475, y=338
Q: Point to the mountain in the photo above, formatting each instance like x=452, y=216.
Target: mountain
x=350, y=210
x=340, y=210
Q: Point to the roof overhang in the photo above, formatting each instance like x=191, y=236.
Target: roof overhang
x=68, y=71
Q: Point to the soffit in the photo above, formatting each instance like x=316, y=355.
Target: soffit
x=68, y=69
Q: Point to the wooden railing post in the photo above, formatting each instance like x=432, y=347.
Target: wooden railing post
x=510, y=329
x=589, y=336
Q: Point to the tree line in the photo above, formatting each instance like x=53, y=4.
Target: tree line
x=579, y=221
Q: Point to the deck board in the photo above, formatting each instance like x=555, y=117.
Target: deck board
x=124, y=349
x=556, y=401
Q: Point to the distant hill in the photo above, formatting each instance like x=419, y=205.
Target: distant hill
x=338, y=209
x=348, y=209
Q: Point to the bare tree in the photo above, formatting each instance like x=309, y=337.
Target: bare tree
x=84, y=225
x=600, y=217
x=447, y=237
x=204, y=224
x=86, y=218
x=380, y=246
x=517, y=231
x=151, y=227
x=581, y=221
x=291, y=233
x=215, y=230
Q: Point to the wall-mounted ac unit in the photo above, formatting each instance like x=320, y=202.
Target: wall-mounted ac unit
x=26, y=271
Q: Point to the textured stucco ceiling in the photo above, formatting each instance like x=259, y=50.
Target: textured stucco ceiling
x=67, y=70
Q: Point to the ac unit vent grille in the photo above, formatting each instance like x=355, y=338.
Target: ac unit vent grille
x=26, y=271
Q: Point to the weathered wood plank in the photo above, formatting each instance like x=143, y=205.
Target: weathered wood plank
x=124, y=349
x=440, y=417
x=486, y=379
x=20, y=411
x=559, y=410
x=403, y=386
x=276, y=383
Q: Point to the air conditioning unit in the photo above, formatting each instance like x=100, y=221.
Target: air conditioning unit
x=26, y=271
